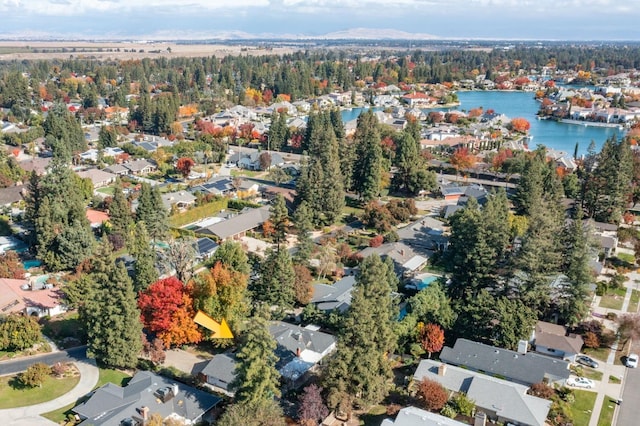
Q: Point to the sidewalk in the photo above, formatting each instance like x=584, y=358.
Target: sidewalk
x=29, y=415
x=606, y=389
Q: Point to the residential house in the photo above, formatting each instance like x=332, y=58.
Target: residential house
x=140, y=167
x=299, y=351
x=12, y=194
x=180, y=199
x=30, y=297
x=219, y=185
x=99, y=178
x=237, y=226
x=554, y=340
x=38, y=165
x=412, y=416
x=335, y=297
x=145, y=394
x=117, y=169
x=405, y=259
x=502, y=401
x=96, y=217
x=205, y=248
x=425, y=236
x=416, y=99
x=519, y=367
x=220, y=372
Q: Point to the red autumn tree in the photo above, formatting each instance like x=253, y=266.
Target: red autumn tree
x=591, y=340
x=166, y=309
x=432, y=394
x=462, y=159
x=431, y=337
x=184, y=166
x=520, y=124
x=376, y=241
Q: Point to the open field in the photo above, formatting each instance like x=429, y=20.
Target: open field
x=20, y=50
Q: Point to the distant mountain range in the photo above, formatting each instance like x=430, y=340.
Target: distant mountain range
x=350, y=34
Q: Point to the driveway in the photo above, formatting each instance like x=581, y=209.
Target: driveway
x=185, y=361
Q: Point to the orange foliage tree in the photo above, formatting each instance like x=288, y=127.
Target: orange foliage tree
x=462, y=159
x=166, y=309
x=432, y=394
x=520, y=124
x=431, y=337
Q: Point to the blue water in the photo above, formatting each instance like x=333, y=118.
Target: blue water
x=559, y=136
x=28, y=264
x=549, y=133
x=426, y=281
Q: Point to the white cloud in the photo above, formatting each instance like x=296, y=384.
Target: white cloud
x=80, y=7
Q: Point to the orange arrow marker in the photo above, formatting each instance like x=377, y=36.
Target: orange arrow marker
x=220, y=330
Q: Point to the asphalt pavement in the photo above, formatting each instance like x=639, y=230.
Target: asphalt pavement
x=69, y=355
x=629, y=409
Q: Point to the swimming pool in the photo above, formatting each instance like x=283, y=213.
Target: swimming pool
x=425, y=281
x=28, y=264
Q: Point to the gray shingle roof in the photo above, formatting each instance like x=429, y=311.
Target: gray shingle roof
x=222, y=367
x=527, y=368
x=509, y=400
x=111, y=404
x=336, y=296
x=237, y=224
x=412, y=416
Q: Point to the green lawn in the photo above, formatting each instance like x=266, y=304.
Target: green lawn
x=599, y=353
x=106, y=376
x=614, y=379
x=583, y=407
x=606, y=413
x=197, y=213
x=613, y=299
x=108, y=190
x=627, y=257
x=14, y=394
x=587, y=372
x=634, y=302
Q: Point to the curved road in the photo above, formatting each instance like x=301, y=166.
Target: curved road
x=29, y=415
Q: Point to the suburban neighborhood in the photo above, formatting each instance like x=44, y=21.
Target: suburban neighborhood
x=321, y=239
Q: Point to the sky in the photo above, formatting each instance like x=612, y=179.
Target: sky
x=184, y=19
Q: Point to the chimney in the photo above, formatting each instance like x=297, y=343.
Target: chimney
x=175, y=389
x=522, y=347
x=144, y=412
x=480, y=419
x=298, y=352
x=442, y=369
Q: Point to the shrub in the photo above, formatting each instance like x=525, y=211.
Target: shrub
x=376, y=241
x=591, y=340
x=432, y=394
x=59, y=369
x=541, y=390
x=463, y=404
x=35, y=375
x=449, y=411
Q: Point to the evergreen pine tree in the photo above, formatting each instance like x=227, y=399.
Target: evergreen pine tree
x=256, y=377
x=303, y=221
x=361, y=368
x=113, y=320
x=152, y=212
x=367, y=171
x=280, y=219
x=277, y=278
x=145, y=272
x=120, y=212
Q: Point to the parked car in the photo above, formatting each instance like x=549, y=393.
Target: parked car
x=580, y=382
x=588, y=361
x=632, y=361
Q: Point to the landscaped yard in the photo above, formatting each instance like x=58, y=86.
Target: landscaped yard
x=634, y=302
x=614, y=379
x=583, y=407
x=613, y=299
x=65, y=330
x=606, y=413
x=106, y=376
x=14, y=394
x=587, y=372
x=197, y=213
x=598, y=353
x=107, y=190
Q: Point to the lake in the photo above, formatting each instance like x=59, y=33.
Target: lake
x=559, y=136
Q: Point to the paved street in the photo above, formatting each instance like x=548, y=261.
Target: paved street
x=629, y=411
x=19, y=365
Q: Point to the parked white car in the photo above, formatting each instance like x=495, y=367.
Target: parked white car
x=580, y=382
x=632, y=361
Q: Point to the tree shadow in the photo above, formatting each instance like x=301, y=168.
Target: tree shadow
x=17, y=384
